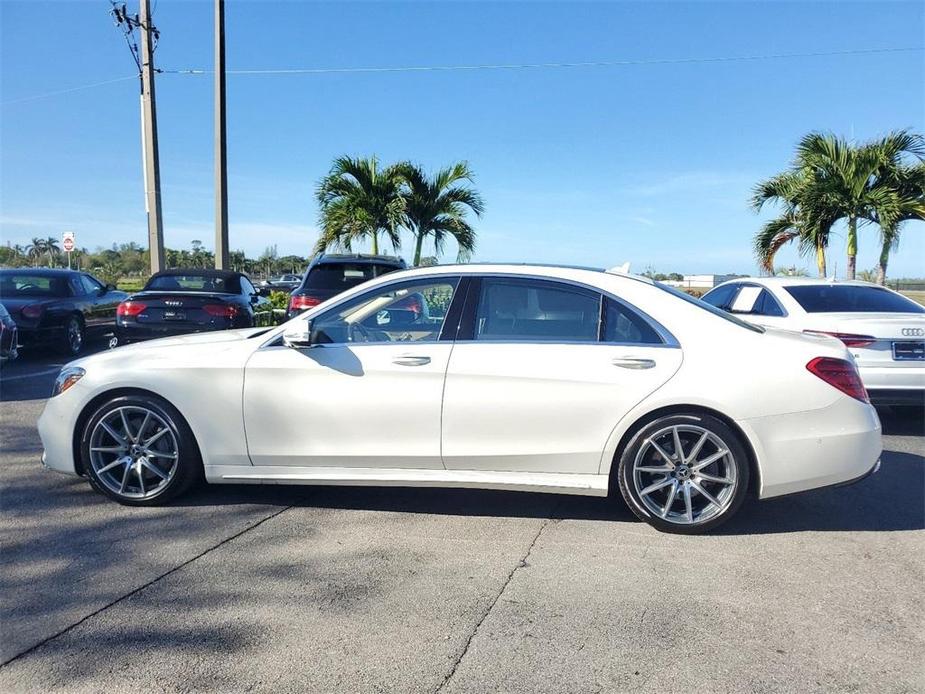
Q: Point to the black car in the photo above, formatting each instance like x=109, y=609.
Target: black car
x=176, y=302
x=329, y=275
x=9, y=340
x=283, y=283
x=60, y=308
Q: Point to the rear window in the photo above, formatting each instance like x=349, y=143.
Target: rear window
x=16, y=284
x=846, y=298
x=708, y=308
x=194, y=283
x=341, y=276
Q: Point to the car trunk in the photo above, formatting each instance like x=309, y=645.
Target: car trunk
x=178, y=308
x=900, y=338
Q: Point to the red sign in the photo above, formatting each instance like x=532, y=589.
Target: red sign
x=68, y=245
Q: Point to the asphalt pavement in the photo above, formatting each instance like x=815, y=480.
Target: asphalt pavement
x=427, y=590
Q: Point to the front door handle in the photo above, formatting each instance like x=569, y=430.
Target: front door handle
x=633, y=363
x=410, y=360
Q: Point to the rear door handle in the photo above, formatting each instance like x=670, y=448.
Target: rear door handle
x=411, y=360
x=633, y=363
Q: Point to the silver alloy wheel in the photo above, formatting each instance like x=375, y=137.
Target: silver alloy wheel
x=133, y=452
x=685, y=474
x=75, y=336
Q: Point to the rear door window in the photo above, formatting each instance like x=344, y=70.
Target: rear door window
x=722, y=297
x=515, y=310
x=623, y=325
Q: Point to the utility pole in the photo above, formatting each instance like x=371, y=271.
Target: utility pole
x=222, y=257
x=144, y=60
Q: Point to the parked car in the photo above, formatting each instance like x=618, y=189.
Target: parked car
x=516, y=377
x=176, y=302
x=283, y=283
x=884, y=330
x=60, y=308
x=9, y=338
x=330, y=274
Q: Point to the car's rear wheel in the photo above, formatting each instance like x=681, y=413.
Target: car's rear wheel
x=684, y=473
x=138, y=450
x=73, y=339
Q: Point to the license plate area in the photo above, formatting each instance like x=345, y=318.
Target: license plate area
x=909, y=350
x=174, y=315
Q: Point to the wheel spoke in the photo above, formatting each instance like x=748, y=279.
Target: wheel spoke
x=144, y=425
x=118, y=461
x=158, y=454
x=147, y=444
x=112, y=432
x=709, y=460
x=678, y=448
x=128, y=469
x=706, y=495
x=656, y=486
x=141, y=479
x=688, y=508
x=661, y=452
x=153, y=468
x=128, y=429
x=695, y=451
x=664, y=470
x=712, y=478
x=671, y=497
x=107, y=449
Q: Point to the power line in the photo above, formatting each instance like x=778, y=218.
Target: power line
x=69, y=90
x=534, y=66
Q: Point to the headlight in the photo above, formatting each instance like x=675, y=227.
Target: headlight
x=69, y=376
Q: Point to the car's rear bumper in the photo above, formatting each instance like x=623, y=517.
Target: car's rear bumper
x=133, y=332
x=818, y=448
x=898, y=376
x=897, y=396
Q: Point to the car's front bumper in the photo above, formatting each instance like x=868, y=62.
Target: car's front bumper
x=56, y=427
x=817, y=448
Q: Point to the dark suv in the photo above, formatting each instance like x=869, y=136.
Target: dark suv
x=328, y=275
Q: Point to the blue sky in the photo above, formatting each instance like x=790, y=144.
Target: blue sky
x=651, y=164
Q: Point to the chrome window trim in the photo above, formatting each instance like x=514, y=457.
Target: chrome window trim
x=784, y=312
x=669, y=340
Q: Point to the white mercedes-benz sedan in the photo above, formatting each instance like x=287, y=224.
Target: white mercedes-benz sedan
x=550, y=379
x=884, y=330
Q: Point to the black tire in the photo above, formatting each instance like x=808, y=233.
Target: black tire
x=72, y=341
x=188, y=469
x=731, y=499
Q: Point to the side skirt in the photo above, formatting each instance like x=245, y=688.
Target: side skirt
x=555, y=483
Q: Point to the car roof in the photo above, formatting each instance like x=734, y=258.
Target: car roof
x=358, y=258
x=50, y=271
x=594, y=275
x=793, y=281
x=203, y=272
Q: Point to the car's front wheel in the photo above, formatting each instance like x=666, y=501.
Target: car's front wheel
x=684, y=473
x=138, y=450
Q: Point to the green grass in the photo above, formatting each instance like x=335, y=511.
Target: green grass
x=130, y=284
x=915, y=296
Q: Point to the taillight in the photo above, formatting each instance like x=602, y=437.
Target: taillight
x=300, y=302
x=850, y=339
x=841, y=374
x=221, y=310
x=130, y=308
x=32, y=311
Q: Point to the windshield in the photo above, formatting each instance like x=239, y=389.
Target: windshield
x=341, y=276
x=15, y=284
x=850, y=298
x=708, y=308
x=193, y=283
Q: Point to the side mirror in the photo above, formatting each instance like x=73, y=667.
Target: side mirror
x=110, y=287
x=298, y=336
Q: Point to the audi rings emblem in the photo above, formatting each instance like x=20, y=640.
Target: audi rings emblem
x=913, y=332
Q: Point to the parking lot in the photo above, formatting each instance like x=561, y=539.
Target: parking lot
x=427, y=590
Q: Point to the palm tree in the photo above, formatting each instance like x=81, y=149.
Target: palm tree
x=438, y=206
x=35, y=250
x=358, y=199
x=52, y=250
x=906, y=202
x=788, y=189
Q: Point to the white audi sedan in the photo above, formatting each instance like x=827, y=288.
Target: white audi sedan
x=550, y=379
x=884, y=330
